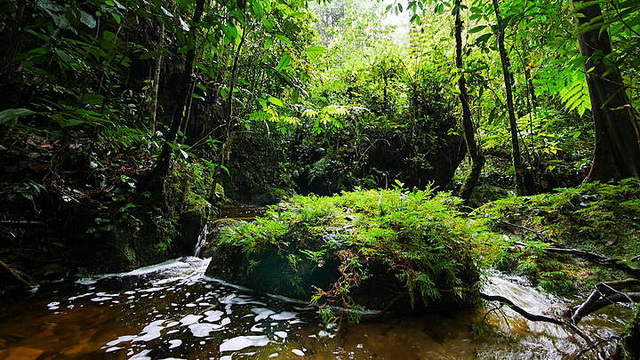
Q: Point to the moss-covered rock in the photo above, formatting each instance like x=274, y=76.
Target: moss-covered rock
x=377, y=249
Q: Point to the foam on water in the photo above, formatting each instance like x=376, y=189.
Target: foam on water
x=173, y=311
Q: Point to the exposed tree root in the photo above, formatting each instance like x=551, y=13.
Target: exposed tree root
x=605, y=294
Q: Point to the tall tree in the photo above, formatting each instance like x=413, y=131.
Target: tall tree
x=156, y=177
x=468, y=128
x=518, y=166
x=617, y=134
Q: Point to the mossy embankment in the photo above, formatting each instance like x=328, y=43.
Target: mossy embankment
x=417, y=250
x=599, y=218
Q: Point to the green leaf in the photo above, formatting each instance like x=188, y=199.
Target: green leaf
x=482, y=39
x=108, y=36
x=275, y=101
x=477, y=29
x=87, y=19
x=267, y=43
x=166, y=12
x=91, y=99
x=230, y=32
x=284, y=39
x=12, y=114
x=284, y=62
x=314, y=52
x=48, y=5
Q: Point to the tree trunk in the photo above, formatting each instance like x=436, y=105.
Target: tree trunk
x=518, y=166
x=155, y=178
x=468, y=128
x=225, y=152
x=155, y=88
x=617, y=142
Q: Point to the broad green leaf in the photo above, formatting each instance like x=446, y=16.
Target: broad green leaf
x=275, y=101
x=49, y=5
x=284, y=62
x=284, y=39
x=482, y=39
x=267, y=43
x=230, y=33
x=314, y=52
x=12, y=114
x=108, y=36
x=91, y=99
x=477, y=29
x=166, y=12
x=87, y=19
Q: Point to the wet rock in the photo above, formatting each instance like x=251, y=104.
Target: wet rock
x=191, y=224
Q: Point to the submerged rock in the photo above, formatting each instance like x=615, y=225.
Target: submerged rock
x=380, y=249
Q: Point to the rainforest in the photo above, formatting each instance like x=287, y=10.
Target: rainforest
x=330, y=179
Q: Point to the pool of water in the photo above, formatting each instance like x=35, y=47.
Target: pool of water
x=173, y=311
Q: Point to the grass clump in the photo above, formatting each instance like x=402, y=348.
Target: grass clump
x=406, y=250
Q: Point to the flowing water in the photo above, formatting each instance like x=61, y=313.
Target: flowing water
x=172, y=311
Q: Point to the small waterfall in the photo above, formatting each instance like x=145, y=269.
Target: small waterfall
x=202, y=241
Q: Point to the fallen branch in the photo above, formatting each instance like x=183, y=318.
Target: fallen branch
x=21, y=223
x=606, y=294
x=537, y=317
x=538, y=234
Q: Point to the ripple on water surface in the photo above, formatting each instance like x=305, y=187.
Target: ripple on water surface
x=172, y=311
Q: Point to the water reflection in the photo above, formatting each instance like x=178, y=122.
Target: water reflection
x=172, y=311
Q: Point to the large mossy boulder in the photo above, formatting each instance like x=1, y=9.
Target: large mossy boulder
x=389, y=250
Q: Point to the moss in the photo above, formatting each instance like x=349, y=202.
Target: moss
x=596, y=217
x=629, y=344
x=363, y=248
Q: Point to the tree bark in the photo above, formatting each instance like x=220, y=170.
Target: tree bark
x=225, y=152
x=155, y=178
x=617, y=134
x=155, y=88
x=468, y=128
x=518, y=166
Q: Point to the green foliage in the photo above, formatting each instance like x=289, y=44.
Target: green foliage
x=419, y=237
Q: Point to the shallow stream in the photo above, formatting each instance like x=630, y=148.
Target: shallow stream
x=173, y=311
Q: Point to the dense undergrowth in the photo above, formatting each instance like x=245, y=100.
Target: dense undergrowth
x=74, y=205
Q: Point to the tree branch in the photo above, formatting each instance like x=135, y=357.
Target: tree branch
x=537, y=317
x=606, y=294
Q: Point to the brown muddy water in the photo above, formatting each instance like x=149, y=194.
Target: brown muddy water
x=173, y=311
